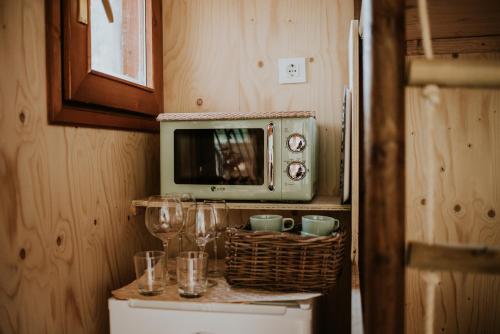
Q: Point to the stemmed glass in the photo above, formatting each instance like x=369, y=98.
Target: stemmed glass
x=164, y=220
x=220, y=228
x=202, y=221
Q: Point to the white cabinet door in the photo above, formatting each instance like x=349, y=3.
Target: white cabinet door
x=242, y=319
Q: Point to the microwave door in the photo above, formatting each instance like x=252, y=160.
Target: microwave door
x=228, y=156
x=222, y=159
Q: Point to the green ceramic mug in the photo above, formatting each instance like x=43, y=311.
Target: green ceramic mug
x=319, y=225
x=270, y=223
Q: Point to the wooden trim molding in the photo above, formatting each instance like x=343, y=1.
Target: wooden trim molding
x=78, y=96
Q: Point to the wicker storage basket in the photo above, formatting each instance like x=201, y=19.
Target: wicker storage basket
x=283, y=261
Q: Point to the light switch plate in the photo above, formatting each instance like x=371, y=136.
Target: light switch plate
x=291, y=70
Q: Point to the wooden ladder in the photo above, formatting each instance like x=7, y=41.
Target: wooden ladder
x=383, y=253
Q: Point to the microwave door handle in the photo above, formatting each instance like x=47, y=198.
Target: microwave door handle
x=270, y=156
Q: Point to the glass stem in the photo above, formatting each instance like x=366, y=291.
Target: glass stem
x=165, y=248
x=179, y=248
x=216, y=258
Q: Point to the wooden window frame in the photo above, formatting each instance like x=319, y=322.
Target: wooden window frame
x=77, y=95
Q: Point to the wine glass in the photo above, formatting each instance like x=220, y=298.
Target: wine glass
x=220, y=228
x=164, y=220
x=201, y=221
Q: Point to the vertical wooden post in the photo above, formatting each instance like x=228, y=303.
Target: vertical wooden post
x=382, y=201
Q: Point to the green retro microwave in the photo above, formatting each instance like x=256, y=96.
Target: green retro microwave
x=235, y=156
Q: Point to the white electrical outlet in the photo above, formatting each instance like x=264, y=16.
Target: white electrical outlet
x=291, y=70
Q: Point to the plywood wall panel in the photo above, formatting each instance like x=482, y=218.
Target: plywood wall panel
x=226, y=53
x=200, y=48
x=458, y=18
x=65, y=237
x=466, y=149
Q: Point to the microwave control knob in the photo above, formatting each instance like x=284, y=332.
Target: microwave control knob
x=296, y=142
x=296, y=171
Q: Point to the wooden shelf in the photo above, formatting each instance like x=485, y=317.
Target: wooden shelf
x=319, y=203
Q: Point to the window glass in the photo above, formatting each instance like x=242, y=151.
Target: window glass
x=118, y=39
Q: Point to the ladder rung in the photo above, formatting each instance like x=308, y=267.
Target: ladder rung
x=479, y=259
x=454, y=73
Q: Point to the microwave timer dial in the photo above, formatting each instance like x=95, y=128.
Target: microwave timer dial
x=296, y=142
x=296, y=170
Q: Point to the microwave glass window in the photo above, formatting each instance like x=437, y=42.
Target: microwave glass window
x=219, y=156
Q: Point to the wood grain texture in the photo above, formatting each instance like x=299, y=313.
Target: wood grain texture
x=82, y=84
x=458, y=73
x=61, y=111
x=323, y=203
x=467, y=193
x=382, y=213
x=458, y=18
x=354, y=82
x=456, y=45
x=65, y=241
x=200, y=55
x=222, y=56
x=469, y=259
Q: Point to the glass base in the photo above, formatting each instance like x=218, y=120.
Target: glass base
x=171, y=279
x=215, y=273
x=211, y=283
x=189, y=295
x=150, y=293
x=216, y=269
